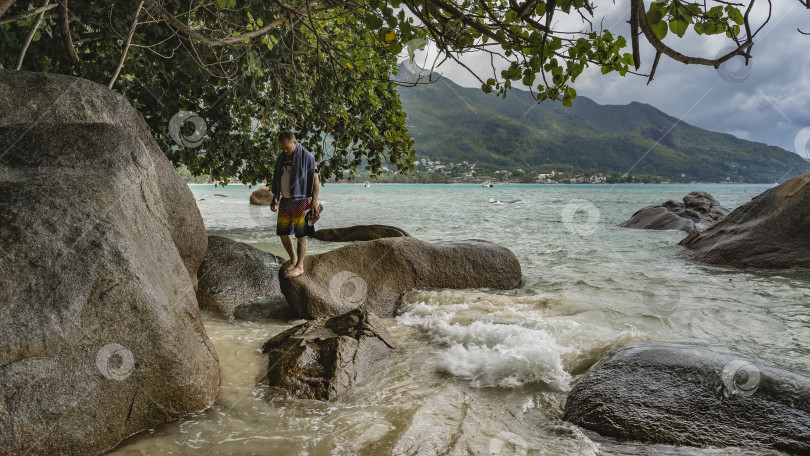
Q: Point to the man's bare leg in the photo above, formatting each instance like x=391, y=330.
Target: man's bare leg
x=299, y=265
x=288, y=246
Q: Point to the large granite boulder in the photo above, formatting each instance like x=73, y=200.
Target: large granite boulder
x=688, y=394
x=770, y=231
x=324, y=358
x=359, y=233
x=100, y=240
x=240, y=282
x=261, y=197
x=698, y=210
x=373, y=275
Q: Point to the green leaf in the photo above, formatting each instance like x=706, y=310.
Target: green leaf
x=678, y=27
x=373, y=21
x=660, y=30
x=395, y=47
x=654, y=15
x=715, y=12
x=541, y=9
x=735, y=15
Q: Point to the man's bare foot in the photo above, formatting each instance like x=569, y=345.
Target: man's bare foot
x=289, y=264
x=294, y=272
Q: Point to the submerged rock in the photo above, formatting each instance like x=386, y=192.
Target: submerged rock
x=687, y=394
x=324, y=358
x=240, y=282
x=100, y=241
x=373, y=275
x=699, y=210
x=658, y=218
x=359, y=233
x=261, y=197
x=770, y=231
x=512, y=201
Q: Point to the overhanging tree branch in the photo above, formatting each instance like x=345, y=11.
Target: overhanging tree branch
x=196, y=36
x=64, y=26
x=634, y=35
x=659, y=45
x=31, y=33
x=126, y=45
x=5, y=5
x=25, y=14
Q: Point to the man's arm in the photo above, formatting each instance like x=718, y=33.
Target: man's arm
x=273, y=189
x=315, y=188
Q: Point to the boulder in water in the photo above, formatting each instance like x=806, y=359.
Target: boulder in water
x=359, y=233
x=100, y=240
x=658, y=218
x=688, y=394
x=699, y=210
x=373, y=275
x=239, y=282
x=772, y=231
x=261, y=197
x=322, y=359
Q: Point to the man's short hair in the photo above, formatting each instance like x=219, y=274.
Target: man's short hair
x=285, y=136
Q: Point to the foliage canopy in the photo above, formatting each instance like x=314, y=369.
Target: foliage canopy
x=323, y=68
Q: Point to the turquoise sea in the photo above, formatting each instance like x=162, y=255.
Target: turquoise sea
x=478, y=372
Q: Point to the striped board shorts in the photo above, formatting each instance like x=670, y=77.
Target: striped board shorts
x=291, y=218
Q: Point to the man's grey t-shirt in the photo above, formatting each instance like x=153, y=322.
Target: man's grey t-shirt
x=286, y=171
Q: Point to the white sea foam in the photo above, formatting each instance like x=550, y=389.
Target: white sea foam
x=486, y=344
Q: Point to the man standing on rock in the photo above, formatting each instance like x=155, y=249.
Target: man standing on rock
x=295, y=180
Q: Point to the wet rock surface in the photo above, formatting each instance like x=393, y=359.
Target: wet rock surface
x=690, y=394
x=324, y=358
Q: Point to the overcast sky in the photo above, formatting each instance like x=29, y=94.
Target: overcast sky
x=769, y=102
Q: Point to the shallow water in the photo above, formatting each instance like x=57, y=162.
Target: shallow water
x=486, y=373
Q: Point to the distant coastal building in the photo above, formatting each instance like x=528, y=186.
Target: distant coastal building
x=545, y=176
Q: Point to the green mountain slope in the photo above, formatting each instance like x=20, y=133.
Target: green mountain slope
x=453, y=123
